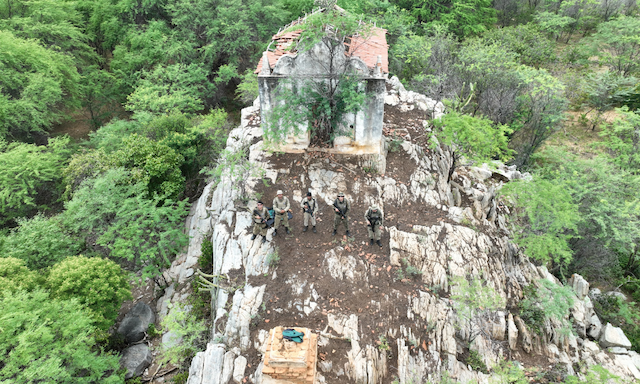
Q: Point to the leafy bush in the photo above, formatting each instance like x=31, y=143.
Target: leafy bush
x=550, y=300
x=188, y=336
x=30, y=176
x=109, y=212
x=99, y=284
x=247, y=90
x=15, y=276
x=40, y=242
x=546, y=216
x=475, y=361
x=49, y=340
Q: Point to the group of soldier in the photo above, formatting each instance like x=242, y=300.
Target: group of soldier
x=309, y=205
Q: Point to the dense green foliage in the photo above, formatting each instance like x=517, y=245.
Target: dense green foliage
x=98, y=284
x=41, y=342
x=29, y=177
x=548, y=301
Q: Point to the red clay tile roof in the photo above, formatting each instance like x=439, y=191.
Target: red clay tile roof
x=368, y=50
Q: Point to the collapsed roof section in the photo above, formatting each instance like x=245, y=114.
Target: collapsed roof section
x=367, y=49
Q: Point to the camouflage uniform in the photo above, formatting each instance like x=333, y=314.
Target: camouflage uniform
x=281, y=204
x=310, y=208
x=260, y=224
x=374, y=221
x=345, y=207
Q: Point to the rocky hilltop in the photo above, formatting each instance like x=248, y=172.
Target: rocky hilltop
x=382, y=314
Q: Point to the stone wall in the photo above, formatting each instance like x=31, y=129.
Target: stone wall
x=365, y=126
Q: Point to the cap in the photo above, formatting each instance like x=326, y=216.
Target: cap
x=374, y=207
x=308, y=193
x=260, y=203
x=279, y=192
x=340, y=194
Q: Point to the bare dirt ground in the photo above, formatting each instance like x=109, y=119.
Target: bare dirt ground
x=302, y=255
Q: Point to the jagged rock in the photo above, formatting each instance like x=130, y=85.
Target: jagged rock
x=617, y=294
x=345, y=267
x=135, y=360
x=325, y=366
x=619, y=350
x=227, y=367
x=525, y=336
x=246, y=303
x=239, y=366
x=595, y=327
x=512, y=332
x=613, y=337
x=499, y=327
x=136, y=322
x=579, y=285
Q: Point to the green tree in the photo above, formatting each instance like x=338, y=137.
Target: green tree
x=617, y=43
x=622, y=138
x=30, y=177
x=37, y=84
x=155, y=165
x=40, y=242
x=172, y=88
x=533, y=48
x=121, y=220
x=546, y=218
x=323, y=101
x=49, y=340
x=475, y=138
x=98, y=284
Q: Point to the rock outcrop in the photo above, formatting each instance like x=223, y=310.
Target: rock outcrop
x=418, y=334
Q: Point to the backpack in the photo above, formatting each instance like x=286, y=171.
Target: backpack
x=292, y=335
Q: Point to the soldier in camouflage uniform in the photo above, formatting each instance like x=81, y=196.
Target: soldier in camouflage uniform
x=310, y=210
x=281, y=207
x=374, y=219
x=260, y=217
x=341, y=207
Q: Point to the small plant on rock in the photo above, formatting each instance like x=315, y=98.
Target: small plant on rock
x=383, y=344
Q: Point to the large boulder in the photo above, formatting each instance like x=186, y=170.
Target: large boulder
x=136, y=322
x=135, y=360
x=579, y=285
x=613, y=337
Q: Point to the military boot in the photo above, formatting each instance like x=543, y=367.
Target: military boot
x=275, y=232
x=379, y=243
x=348, y=234
x=264, y=240
x=305, y=228
x=334, y=232
x=314, y=229
x=253, y=237
x=288, y=231
x=370, y=241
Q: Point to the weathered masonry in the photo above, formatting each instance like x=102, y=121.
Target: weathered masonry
x=366, y=57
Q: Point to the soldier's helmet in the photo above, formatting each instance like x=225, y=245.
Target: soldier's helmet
x=279, y=192
x=374, y=207
x=308, y=193
x=340, y=194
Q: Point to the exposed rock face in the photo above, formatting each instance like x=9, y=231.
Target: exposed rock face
x=135, y=360
x=613, y=337
x=136, y=322
x=425, y=334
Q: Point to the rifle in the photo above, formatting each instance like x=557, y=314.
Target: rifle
x=256, y=213
x=307, y=208
x=373, y=221
x=335, y=204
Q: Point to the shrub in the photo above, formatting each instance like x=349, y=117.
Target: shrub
x=40, y=242
x=49, y=340
x=553, y=300
x=15, y=276
x=97, y=283
x=188, y=336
